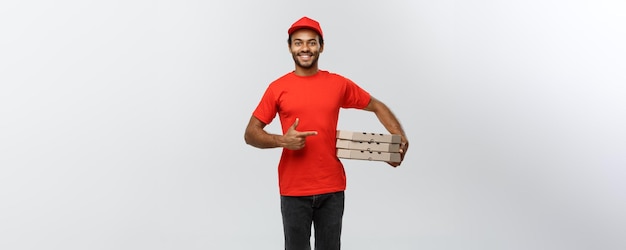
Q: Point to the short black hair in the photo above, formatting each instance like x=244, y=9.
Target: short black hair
x=318, y=35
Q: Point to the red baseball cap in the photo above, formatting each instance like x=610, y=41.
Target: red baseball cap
x=306, y=23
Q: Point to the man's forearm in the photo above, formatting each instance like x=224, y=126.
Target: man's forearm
x=386, y=117
x=390, y=122
x=262, y=139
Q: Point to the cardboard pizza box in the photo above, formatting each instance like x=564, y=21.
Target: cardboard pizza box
x=367, y=155
x=368, y=146
x=370, y=137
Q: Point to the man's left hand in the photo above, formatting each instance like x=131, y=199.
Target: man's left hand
x=404, y=146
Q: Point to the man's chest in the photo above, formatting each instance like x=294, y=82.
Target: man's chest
x=305, y=98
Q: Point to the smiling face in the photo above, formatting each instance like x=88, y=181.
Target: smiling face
x=305, y=48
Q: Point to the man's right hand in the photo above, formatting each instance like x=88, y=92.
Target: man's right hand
x=295, y=139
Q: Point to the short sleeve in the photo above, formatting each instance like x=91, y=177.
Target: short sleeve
x=354, y=96
x=267, y=108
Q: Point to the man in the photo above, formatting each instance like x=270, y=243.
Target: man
x=311, y=177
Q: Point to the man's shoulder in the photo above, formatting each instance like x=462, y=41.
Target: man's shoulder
x=328, y=73
x=283, y=78
x=333, y=75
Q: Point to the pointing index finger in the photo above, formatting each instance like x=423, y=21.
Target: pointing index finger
x=306, y=133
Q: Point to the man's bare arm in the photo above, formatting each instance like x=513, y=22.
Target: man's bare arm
x=391, y=123
x=256, y=136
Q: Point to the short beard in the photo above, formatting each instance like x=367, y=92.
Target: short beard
x=313, y=63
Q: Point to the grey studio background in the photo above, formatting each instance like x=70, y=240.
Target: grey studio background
x=121, y=123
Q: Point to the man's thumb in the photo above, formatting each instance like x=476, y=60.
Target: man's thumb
x=295, y=124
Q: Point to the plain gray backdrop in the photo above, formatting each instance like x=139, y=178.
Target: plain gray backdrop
x=121, y=122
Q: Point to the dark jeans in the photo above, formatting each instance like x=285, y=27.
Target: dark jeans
x=324, y=211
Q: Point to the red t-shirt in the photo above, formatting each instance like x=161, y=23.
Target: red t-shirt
x=315, y=100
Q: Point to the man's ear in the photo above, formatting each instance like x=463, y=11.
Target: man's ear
x=321, y=48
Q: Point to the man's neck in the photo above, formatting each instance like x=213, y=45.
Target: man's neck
x=306, y=72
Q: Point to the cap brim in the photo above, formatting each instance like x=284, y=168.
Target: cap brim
x=295, y=28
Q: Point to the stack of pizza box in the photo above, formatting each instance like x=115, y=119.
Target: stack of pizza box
x=368, y=146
